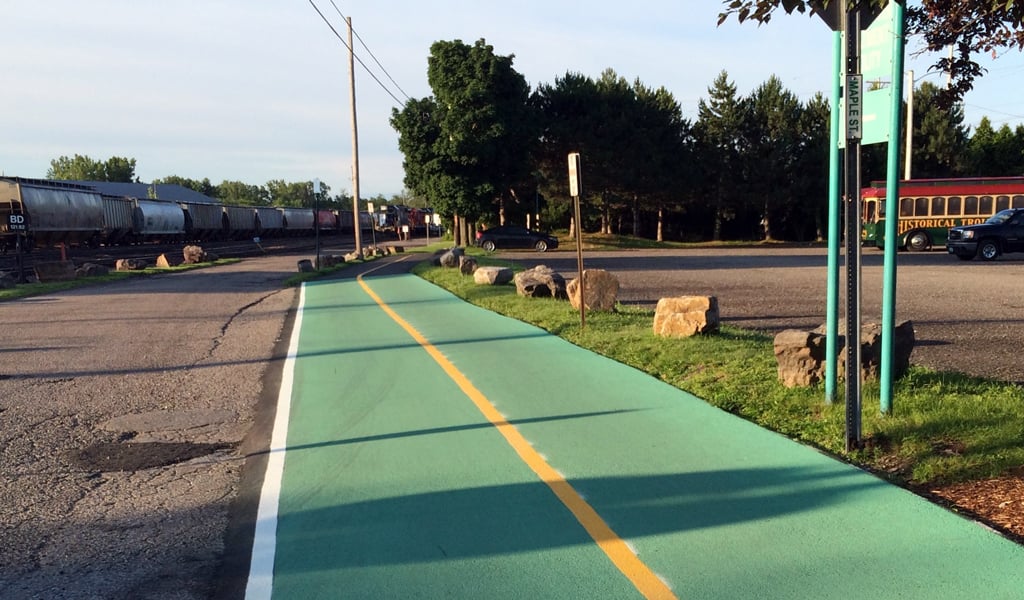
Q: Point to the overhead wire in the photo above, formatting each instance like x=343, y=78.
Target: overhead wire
x=370, y=52
x=359, y=60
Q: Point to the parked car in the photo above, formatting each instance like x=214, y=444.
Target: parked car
x=511, y=236
x=1003, y=232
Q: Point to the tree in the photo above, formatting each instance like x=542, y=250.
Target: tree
x=721, y=143
x=469, y=145
x=84, y=168
x=203, y=187
x=773, y=146
x=486, y=129
x=237, y=192
x=970, y=27
x=940, y=137
x=995, y=153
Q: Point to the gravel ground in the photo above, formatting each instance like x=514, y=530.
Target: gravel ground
x=124, y=408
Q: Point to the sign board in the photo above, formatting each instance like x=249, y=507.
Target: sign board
x=876, y=51
x=575, y=183
x=16, y=223
x=316, y=186
x=369, y=207
x=854, y=101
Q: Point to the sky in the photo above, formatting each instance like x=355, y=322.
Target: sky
x=258, y=90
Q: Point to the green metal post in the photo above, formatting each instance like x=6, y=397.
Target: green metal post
x=832, y=300
x=891, y=204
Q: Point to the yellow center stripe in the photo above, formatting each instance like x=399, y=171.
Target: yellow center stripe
x=649, y=584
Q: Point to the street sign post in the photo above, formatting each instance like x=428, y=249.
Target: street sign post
x=575, y=189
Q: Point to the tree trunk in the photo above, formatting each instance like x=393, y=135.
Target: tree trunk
x=457, y=230
x=636, y=217
x=572, y=227
x=766, y=224
x=661, y=223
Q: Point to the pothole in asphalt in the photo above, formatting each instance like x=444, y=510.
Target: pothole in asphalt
x=135, y=456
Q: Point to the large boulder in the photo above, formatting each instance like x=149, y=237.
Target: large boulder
x=686, y=316
x=800, y=355
x=540, y=282
x=164, y=262
x=306, y=266
x=600, y=290
x=58, y=270
x=193, y=255
x=92, y=270
x=7, y=281
x=467, y=265
x=492, y=275
x=130, y=264
x=450, y=258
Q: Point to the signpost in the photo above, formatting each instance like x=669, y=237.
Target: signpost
x=575, y=189
x=316, y=219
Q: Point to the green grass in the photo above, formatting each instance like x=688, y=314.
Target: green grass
x=25, y=290
x=944, y=427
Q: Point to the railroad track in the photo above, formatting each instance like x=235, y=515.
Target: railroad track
x=109, y=255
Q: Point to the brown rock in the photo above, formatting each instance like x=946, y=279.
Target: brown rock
x=58, y=270
x=600, y=290
x=193, y=255
x=686, y=316
x=492, y=275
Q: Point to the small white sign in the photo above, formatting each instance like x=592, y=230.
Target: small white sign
x=574, y=174
x=854, y=101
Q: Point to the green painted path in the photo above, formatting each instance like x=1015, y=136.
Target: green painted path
x=394, y=484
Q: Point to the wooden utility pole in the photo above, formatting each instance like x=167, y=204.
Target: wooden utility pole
x=355, y=142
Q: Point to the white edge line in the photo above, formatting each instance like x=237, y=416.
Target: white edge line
x=260, y=584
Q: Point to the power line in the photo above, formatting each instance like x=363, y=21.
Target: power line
x=391, y=79
x=344, y=43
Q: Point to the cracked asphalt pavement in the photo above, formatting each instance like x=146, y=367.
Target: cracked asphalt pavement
x=121, y=408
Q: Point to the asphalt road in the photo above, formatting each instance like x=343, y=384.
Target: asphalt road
x=124, y=409
x=968, y=316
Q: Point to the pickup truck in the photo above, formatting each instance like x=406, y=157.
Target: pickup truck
x=1003, y=232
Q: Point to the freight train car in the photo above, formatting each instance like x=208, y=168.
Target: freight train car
x=153, y=220
x=297, y=221
x=269, y=221
x=204, y=221
x=55, y=212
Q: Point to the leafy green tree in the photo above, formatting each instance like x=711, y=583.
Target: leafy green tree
x=940, y=137
x=722, y=144
x=84, y=168
x=120, y=168
x=297, y=194
x=658, y=154
x=971, y=27
x=419, y=129
x=805, y=213
x=571, y=120
x=237, y=192
x=202, y=186
x=485, y=124
x=995, y=153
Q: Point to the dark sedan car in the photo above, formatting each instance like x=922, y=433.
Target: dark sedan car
x=510, y=236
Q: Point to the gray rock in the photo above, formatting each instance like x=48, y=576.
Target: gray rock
x=467, y=265
x=600, y=290
x=540, y=282
x=492, y=275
